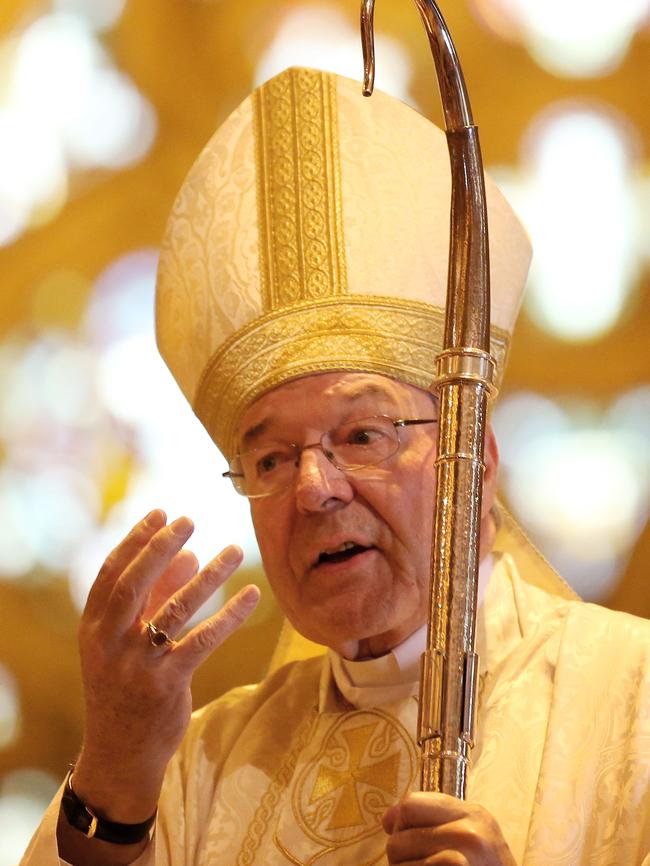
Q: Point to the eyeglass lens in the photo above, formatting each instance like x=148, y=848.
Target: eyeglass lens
x=353, y=445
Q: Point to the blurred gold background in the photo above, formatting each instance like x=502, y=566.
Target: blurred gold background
x=193, y=61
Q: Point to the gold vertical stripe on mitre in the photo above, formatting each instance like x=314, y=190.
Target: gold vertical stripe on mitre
x=299, y=189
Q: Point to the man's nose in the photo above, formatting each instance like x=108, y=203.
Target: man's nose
x=320, y=485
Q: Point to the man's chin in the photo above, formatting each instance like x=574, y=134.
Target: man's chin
x=354, y=637
x=350, y=638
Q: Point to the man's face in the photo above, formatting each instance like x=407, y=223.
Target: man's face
x=375, y=596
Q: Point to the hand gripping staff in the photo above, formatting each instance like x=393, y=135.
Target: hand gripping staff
x=464, y=380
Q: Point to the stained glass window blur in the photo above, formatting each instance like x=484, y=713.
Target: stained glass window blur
x=572, y=38
x=65, y=107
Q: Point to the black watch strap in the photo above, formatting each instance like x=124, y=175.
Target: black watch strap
x=92, y=826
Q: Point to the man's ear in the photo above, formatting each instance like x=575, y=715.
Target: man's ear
x=491, y=460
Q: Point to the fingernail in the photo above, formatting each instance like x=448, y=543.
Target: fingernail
x=155, y=519
x=182, y=527
x=251, y=594
x=232, y=555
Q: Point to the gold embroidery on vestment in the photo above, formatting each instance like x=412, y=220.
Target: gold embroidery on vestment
x=271, y=798
x=365, y=763
x=320, y=854
x=382, y=774
x=295, y=860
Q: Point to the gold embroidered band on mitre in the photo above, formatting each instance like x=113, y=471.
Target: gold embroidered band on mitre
x=391, y=336
x=299, y=207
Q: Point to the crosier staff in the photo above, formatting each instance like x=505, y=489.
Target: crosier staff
x=464, y=380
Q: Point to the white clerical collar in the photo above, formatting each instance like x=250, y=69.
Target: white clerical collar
x=396, y=675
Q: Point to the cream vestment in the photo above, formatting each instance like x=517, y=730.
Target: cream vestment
x=292, y=772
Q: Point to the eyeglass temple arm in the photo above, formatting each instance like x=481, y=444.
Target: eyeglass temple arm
x=404, y=422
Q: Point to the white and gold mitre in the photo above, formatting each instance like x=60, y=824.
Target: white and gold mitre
x=312, y=234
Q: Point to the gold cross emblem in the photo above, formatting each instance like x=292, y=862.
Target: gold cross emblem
x=381, y=774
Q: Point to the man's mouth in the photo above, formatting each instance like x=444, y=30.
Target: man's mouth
x=342, y=553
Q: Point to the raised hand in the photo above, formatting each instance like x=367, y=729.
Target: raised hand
x=137, y=694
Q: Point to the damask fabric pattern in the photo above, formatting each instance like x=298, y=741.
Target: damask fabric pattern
x=289, y=772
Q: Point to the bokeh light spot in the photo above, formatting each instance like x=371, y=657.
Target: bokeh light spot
x=99, y=14
x=63, y=106
x=9, y=709
x=122, y=301
x=49, y=510
x=59, y=300
x=321, y=37
x=579, y=479
x=24, y=796
x=578, y=198
x=47, y=383
x=116, y=128
x=573, y=38
x=33, y=176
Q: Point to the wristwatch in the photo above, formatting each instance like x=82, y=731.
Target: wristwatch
x=82, y=818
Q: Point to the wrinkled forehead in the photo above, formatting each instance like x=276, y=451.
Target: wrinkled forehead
x=316, y=401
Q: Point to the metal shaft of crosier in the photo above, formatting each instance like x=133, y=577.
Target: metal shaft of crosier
x=465, y=375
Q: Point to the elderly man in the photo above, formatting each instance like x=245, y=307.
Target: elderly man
x=299, y=308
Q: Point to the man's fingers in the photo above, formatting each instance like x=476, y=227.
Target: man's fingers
x=442, y=858
x=128, y=598
x=197, y=645
x=421, y=809
x=176, y=611
x=120, y=558
x=440, y=830
x=180, y=570
x=420, y=842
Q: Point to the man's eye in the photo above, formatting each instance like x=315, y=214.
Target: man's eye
x=267, y=464
x=271, y=462
x=363, y=436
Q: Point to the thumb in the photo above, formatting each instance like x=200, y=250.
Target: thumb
x=390, y=818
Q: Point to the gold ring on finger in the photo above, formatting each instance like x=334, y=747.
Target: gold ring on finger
x=157, y=637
